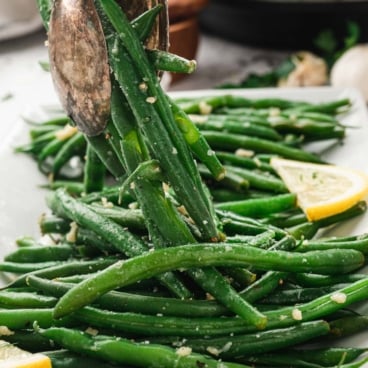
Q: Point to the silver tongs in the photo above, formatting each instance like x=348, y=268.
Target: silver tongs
x=79, y=61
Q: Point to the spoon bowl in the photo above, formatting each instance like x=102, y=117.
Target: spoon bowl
x=79, y=62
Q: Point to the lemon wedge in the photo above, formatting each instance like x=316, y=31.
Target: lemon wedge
x=13, y=357
x=322, y=190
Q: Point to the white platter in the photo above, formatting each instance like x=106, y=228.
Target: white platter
x=22, y=201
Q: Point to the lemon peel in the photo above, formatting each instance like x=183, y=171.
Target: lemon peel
x=322, y=190
x=14, y=357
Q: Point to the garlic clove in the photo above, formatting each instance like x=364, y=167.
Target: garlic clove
x=310, y=70
x=351, y=70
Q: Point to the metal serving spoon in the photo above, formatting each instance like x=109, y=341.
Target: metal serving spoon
x=79, y=61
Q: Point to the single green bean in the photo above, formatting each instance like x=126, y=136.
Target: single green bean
x=231, y=142
x=94, y=172
x=241, y=346
x=190, y=256
x=124, y=351
x=260, y=207
x=41, y=253
x=122, y=301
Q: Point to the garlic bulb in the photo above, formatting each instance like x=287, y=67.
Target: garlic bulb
x=351, y=70
x=310, y=70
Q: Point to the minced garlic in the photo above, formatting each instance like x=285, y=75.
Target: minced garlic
x=184, y=351
x=338, y=297
x=297, y=314
x=71, y=236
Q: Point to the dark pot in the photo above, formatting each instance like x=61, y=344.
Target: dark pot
x=282, y=24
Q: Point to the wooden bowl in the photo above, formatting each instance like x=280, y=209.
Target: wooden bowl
x=181, y=9
x=184, y=29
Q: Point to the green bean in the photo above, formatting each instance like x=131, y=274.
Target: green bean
x=212, y=281
x=64, y=358
x=289, y=316
x=21, y=267
x=9, y=299
x=310, y=130
x=54, y=269
x=50, y=224
x=44, y=7
x=170, y=229
x=143, y=24
x=41, y=253
x=61, y=121
x=312, y=115
x=285, y=219
x=198, y=208
x=231, y=142
x=89, y=237
x=20, y=319
x=246, y=127
x=122, y=240
x=241, y=346
x=361, y=245
x=238, y=160
x=234, y=224
x=263, y=240
x=107, y=155
x=195, y=202
x=227, y=195
x=202, y=255
x=26, y=241
x=322, y=357
x=123, y=301
x=259, y=180
x=28, y=340
x=72, y=187
x=37, y=145
x=229, y=216
x=332, y=107
x=260, y=207
x=94, y=172
x=40, y=130
x=347, y=326
x=230, y=180
x=297, y=295
x=139, y=324
x=163, y=60
x=75, y=146
x=83, y=215
x=240, y=276
x=263, y=286
x=126, y=352
x=131, y=218
x=304, y=230
x=109, y=194
x=54, y=146
x=315, y=280
x=197, y=143
x=308, y=229
x=215, y=102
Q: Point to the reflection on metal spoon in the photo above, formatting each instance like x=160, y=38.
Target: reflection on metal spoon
x=79, y=64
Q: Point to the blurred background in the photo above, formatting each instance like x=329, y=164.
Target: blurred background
x=237, y=43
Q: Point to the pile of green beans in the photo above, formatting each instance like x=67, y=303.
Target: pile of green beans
x=153, y=260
